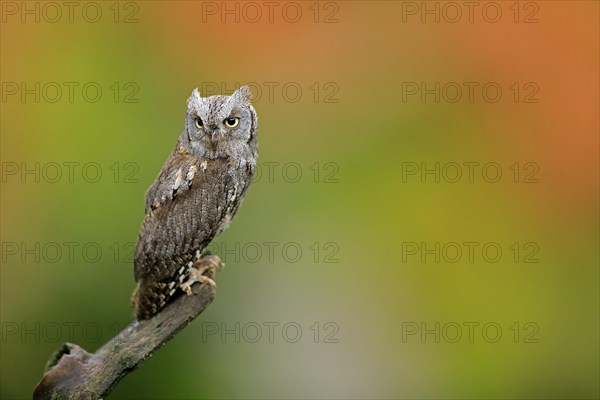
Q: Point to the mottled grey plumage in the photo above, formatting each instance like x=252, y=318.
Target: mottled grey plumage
x=195, y=195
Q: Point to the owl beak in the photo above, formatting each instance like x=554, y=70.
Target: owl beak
x=213, y=131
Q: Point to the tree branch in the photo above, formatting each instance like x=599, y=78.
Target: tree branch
x=73, y=373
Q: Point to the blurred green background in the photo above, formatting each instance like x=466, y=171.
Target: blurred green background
x=344, y=277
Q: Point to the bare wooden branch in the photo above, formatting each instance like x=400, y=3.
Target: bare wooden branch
x=73, y=373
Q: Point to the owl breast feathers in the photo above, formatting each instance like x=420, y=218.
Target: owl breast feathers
x=195, y=195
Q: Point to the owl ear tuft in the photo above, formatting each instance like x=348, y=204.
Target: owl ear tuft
x=243, y=94
x=194, y=98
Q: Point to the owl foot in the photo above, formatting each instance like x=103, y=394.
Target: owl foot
x=208, y=263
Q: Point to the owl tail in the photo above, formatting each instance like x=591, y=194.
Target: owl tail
x=147, y=300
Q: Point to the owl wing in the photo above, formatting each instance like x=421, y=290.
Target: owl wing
x=185, y=208
x=175, y=178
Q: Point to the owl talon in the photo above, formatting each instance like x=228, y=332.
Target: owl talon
x=207, y=263
x=187, y=287
x=196, y=276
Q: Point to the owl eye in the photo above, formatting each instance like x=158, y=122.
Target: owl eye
x=199, y=123
x=231, y=122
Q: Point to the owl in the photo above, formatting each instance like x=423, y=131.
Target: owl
x=194, y=197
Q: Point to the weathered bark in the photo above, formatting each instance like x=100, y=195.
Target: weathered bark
x=73, y=373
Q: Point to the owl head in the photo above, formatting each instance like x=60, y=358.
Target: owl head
x=219, y=126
